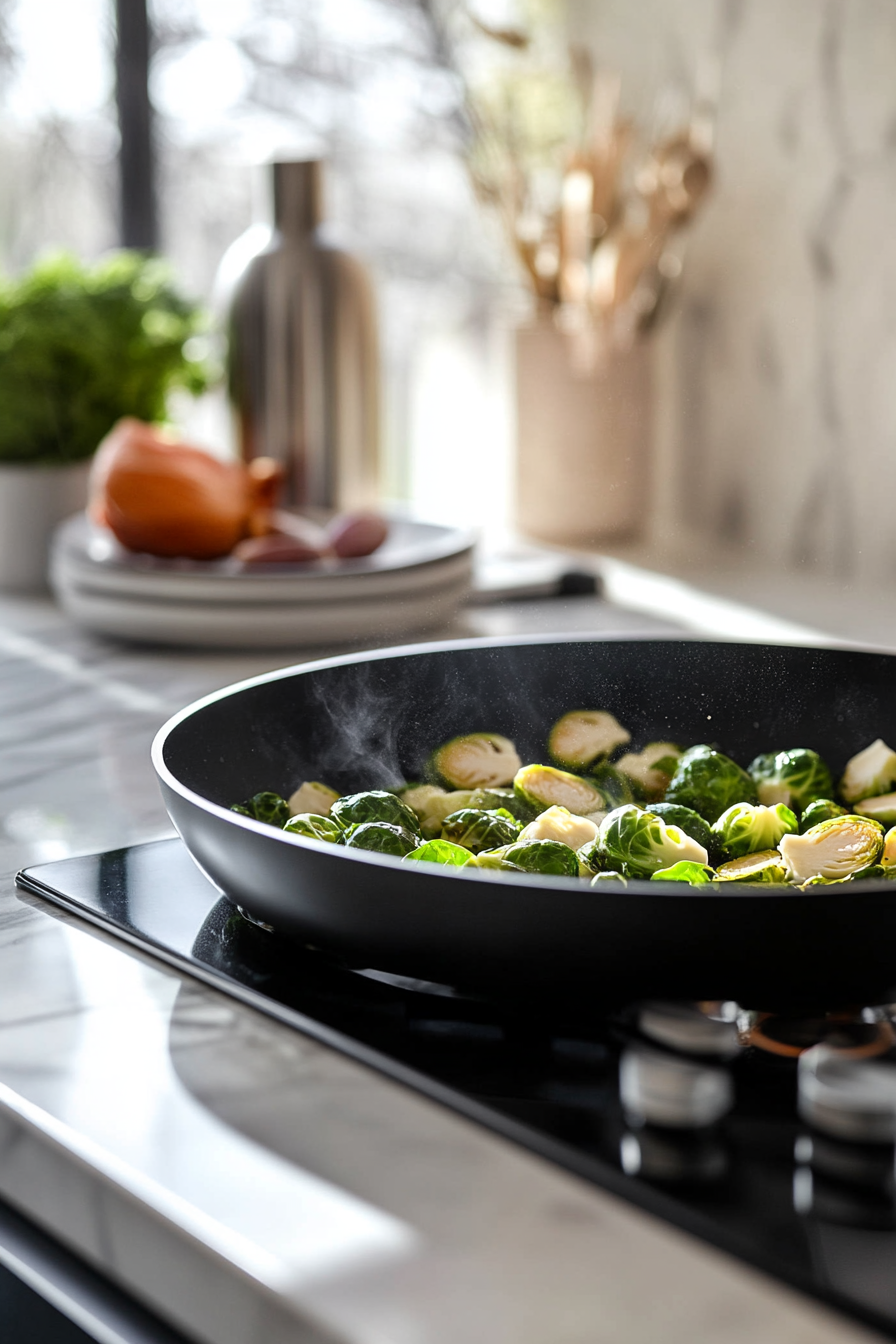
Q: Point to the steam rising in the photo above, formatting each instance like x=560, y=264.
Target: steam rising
x=360, y=724
x=377, y=727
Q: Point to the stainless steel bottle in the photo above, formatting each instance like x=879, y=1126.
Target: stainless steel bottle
x=302, y=349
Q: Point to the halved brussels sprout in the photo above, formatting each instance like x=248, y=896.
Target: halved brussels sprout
x=796, y=778
x=558, y=823
x=689, y=821
x=821, y=810
x=695, y=874
x=610, y=877
x=615, y=787
x=652, y=768
x=267, y=807
x=441, y=851
x=550, y=857
x=418, y=796
x=833, y=848
x=870, y=773
x=766, y=868
x=640, y=843
x=489, y=858
x=584, y=736
x=882, y=808
x=542, y=786
x=374, y=805
x=748, y=828
x=489, y=799
x=475, y=761
x=873, y=870
x=315, y=827
x=312, y=796
x=440, y=805
x=382, y=837
x=888, y=853
x=477, y=830
x=709, y=783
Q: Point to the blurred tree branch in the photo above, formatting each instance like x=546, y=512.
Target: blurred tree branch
x=8, y=53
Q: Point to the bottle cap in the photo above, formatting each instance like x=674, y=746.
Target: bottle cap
x=298, y=195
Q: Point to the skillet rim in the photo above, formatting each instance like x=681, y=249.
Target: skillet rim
x=636, y=886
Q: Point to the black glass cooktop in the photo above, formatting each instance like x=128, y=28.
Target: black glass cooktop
x=715, y=1116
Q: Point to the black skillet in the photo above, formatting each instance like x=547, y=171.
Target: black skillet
x=368, y=721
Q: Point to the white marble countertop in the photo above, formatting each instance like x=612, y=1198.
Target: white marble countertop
x=722, y=591
x=288, y=1194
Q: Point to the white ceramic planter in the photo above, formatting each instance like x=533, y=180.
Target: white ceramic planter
x=583, y=440
x=33, y=501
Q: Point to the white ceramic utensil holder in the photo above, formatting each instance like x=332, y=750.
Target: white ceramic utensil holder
x=583, y=440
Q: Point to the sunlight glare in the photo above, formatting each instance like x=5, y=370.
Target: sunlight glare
x=65, y=59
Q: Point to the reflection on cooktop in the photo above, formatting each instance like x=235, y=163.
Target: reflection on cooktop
x=770, y=1134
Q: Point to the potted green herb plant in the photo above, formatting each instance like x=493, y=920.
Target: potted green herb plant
x=80, y=346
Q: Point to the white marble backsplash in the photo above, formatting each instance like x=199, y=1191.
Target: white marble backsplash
x=776, y=395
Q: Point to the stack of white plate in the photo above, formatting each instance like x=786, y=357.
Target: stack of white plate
x=415, y=581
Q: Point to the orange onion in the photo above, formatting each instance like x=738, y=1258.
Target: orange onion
x=171, y=499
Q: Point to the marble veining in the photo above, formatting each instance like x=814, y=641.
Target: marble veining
x=776, y=415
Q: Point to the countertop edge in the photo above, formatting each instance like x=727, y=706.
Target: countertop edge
x=101, y=1209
